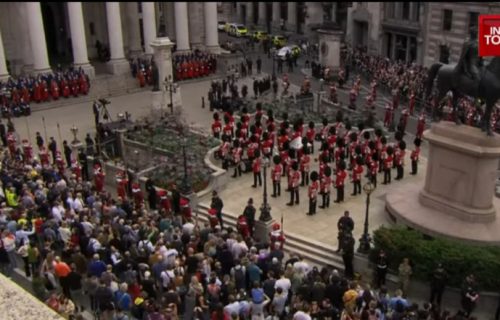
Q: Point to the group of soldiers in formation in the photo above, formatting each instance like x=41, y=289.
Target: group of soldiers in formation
x=17, y=94
x=290, y=146
x=194, y=65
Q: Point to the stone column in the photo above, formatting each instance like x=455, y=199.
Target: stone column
x=4, y=74
x=149, y=23
x=262, y=14
x=276, y=15
x=211, y=32
x=162, y=52
x=250, y=13
x=118, y=64
x=134, y=36
x=78, y=40
x=291, y=22
x=37, y=38
x=181, y=26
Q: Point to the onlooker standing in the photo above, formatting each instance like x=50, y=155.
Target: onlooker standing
x=405, y=271
x=438, y=283
x=381, y=270
x=217, y=204
x=348, y=254
x=344, y=225
x=469, y=294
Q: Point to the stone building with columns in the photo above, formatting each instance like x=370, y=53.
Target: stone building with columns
x=36, y=36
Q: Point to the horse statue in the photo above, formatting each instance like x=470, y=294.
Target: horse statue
x=487, y=87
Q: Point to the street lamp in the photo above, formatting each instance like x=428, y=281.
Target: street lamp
x=364, y=242
x=265, y=209
x=74, y=131
x=171, y=87
x=185, y=186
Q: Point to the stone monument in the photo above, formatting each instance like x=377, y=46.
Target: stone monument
x=457, y=199
x=162, y=55
x=330, y=35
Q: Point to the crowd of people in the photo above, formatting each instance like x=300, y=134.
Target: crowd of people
x=16, y=94
x=135, y=257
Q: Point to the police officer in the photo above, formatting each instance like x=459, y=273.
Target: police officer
x=345, y=225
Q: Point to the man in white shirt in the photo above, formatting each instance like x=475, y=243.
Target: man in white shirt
x=302, y=266
x=57, y=212
x=284, y=283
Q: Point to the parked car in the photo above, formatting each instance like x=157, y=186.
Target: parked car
x=238, y=30
x=228, y=25
x=221, y=25
x=278, y=41
x=293, y=49
x=259, y=35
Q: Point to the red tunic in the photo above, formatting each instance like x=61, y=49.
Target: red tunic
x=340, y=177
x=54, y=90
x=313, y=190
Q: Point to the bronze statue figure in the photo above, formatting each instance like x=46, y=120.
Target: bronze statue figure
x=468, y=77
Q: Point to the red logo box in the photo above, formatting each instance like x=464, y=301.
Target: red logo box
x=489, y=35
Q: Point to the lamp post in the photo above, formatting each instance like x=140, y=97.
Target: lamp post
x=185, y=186
x=265, y=209
x=74, y=131
x=171, y=87
x=364, y=242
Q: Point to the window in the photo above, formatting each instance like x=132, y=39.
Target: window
x=473, y=17
x=447, y=18
x=406, y=10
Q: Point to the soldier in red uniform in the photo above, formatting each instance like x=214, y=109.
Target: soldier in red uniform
x=141, y=78
x=305, y=164
x=54, y=89
x=11, y=143
x=242, y=226
x=411, y=103
x=266, y=145
x=352, y=99
x=216, y=126
x=395, y=98
x=420, y=125
x=121, y=184
x=37, y=93
x=369, y=103
x=165, y=204
x=373, y=168
x=25, y=94
x=340, y=177
x=276, y=174
x=60, y=163
x=65, y=88
x=404, y=119
x=388, y=165
x=44, y=157
x=373, y=86
x=45, y=91
x=400, y=160
x=190, y=72
x=256, y=166
x=185, y=209
x=212, y=218
x=415, y=154
x=185, y=70
x=389, y=114
x=313, y=193
x=277, y=237
x=325, y=187
x=357, y=172
x=27, y=151
x=137, y=194
x=84, y=86
x=294, y=184
x=237, y=153
x=333, y=94
x=311, y=135
x=76, y=169
x=99, y=176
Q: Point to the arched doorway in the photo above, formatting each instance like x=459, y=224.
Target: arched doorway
x=57, y=33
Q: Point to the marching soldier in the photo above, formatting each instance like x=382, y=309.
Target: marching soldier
x=165, y=204
x=411, y=103
x=216, y=126
x=357, y=172
x=325, y=187
x=400, y=160
x=388, y=165
x=389, y=115
x=237, y=152
x=137, y=194
x=313, y=193
x=341, y=175
x=415, y=154
x=121, y=184
x=373, y=168
x=294, y=184
x=44, y=157
x=305, y=163
x=99, y=177
x=256, y=166
x=420, y=125
x=276, y=174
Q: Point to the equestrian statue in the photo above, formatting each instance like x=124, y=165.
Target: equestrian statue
x=468, y=77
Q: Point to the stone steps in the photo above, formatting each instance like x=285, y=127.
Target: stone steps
x=312, y=251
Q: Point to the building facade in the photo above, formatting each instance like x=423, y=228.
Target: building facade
x=36, y=36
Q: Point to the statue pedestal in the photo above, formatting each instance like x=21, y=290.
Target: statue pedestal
x=329, y=48
x=262, y=229
x=457, y=198
x=162, y=52
x=75, y=147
